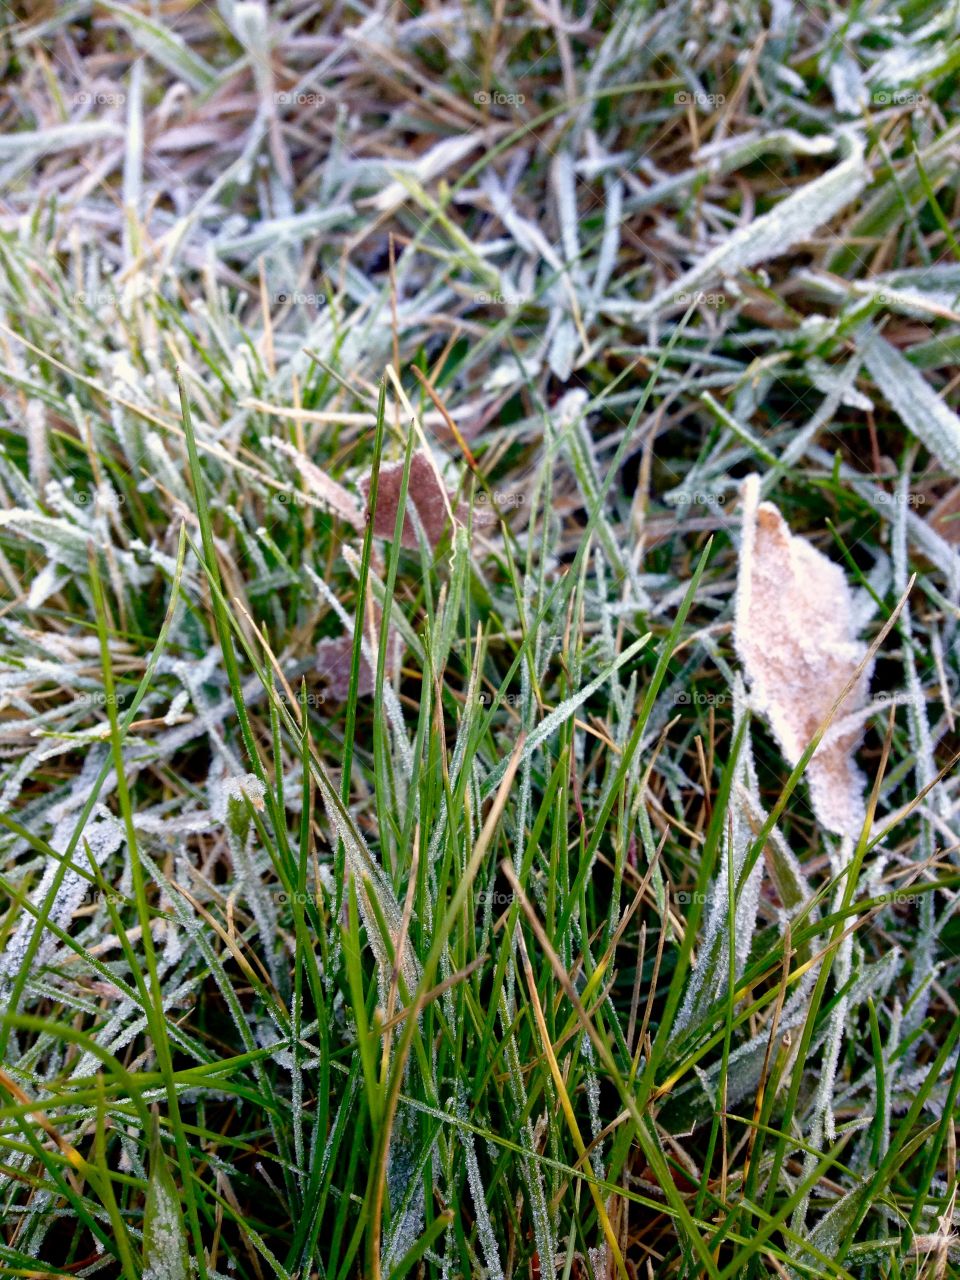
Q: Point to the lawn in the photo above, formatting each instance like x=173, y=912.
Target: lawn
x=479, y=619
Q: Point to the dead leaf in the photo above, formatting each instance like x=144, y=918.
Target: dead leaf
x=795, y=633
x=945, y=516
x=329, y=491
x=335, y=661
x=424, y=490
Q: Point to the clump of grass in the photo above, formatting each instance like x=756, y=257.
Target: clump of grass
x=423, y=894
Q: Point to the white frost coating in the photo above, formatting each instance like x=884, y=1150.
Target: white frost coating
x=488, y=1240
x=542, y=1232
x=104, y=835
x=163, y=1241
x=176, y=707
x=823, y=1124
x=430, y=165
x=246, y=786
x=733, y=153
x=593, y=1105
x=709, y=976
x=915, y=402
x=794, y=219
x=38, y=452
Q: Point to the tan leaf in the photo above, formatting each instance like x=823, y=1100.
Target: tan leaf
x=329, y=491
x=796, y=635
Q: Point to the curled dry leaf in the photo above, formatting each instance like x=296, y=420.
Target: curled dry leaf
x=434, y=505
x=795, y=633
x=425, y=491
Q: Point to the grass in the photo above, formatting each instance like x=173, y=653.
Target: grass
x=426, y=896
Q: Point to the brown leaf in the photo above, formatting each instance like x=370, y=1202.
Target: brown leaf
x=424, y=490
x=945, y=516
x=335, y=660
x=796, y=635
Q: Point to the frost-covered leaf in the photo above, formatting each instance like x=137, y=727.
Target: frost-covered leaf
x=335, y=662
x=165, y=1254
x=796, y=636
x=794, y=219
x=432, y=164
